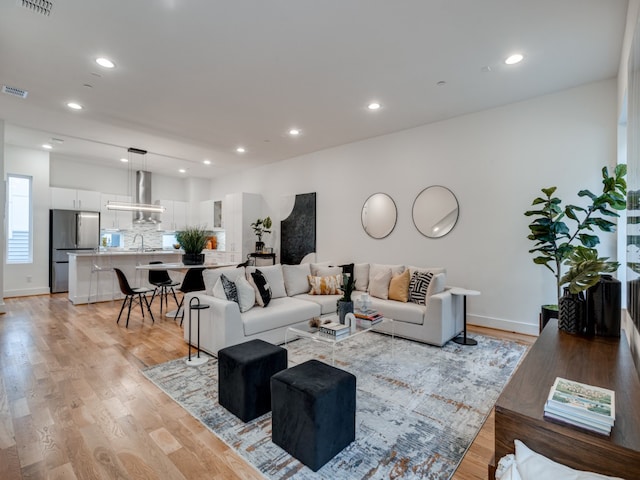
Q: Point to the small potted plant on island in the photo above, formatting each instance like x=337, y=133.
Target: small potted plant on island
x=260, y=227
x=193, y=240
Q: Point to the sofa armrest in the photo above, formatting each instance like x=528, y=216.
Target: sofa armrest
x=220, y=324
x=444, y=312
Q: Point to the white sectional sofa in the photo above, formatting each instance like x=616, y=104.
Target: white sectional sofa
x=223, y=324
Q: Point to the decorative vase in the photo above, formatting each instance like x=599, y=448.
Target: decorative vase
x=259, y=246
x=193, y=258
x=343, y=309
x=603, y=307
x=572, y=312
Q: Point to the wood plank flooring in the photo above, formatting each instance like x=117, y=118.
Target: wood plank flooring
x=74, y=405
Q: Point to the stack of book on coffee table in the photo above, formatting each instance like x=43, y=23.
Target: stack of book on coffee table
x=368, y=318
x=584, y=406
x=334, y=329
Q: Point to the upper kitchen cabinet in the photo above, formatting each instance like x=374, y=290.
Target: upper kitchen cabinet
x=175, y=215
x=115, y=219
x=72, y=199
x=239, y=211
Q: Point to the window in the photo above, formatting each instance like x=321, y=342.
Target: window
x=19, y=231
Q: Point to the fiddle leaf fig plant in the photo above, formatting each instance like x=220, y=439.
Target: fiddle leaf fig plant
x=554, y=240
x=262, y=226
x=585, y=269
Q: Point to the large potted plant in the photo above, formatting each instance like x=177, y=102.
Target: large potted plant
x=260, y=227
x=193, y=240
x=554, y=240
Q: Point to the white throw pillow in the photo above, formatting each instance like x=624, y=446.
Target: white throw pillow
x=218, y=290
x=375, y=268
x=433, y=270
x=211, y=275
x=246, y=294
x=295, y=278
x=317, y=265
x=533, y=466
x=438, y=284
x=273, y=275
x=379, y=285
x=507, y=468
x=361, y=274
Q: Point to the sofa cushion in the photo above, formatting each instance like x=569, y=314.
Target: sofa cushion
x=399, y=287
x=434, y=270
x=437, y=284
x=361, y=274
x=211, y=275
x=281, y=313
x=329, y=285
x=246, y=294
x=315, y=266
x=327, y=271
x=399, y=311
x=327, y=303
x=379, y=283
x=295, y=278
x=262, y=288
x=375, y=268
x=275, y=278
x=418, y=287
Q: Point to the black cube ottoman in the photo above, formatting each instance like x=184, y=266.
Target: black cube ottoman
x=244, y=372
x=313, y=411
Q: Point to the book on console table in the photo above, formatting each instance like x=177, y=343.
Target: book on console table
x=334, y=329
x=582, y=405
x=368, y=315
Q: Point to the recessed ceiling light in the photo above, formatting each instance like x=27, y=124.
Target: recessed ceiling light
x=105, y=62
x=373, y=106
x=240, y=150
x=182, y=170
x=207, y=162
x=124, y=160
x=441, y=83
x=47, y=146
x=294, y=132
x=513, y=59
x=74, y=106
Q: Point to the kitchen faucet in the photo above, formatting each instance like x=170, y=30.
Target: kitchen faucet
x=141, y=240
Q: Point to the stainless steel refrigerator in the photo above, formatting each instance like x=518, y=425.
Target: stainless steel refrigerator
x=69, y=231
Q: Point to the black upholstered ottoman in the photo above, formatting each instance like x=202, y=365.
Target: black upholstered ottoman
x=313, y=411
x=244, y=372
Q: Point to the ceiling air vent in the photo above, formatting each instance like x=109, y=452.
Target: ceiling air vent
x=43, y=7
x=17, y=92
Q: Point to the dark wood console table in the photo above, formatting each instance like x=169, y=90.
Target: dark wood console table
x=604, y=362
x=270, y=256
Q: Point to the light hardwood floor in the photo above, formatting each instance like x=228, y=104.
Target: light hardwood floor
x=73, y=403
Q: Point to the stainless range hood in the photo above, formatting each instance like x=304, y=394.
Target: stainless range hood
x=143, y=197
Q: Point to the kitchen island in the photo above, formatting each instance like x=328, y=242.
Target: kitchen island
x=104, y=285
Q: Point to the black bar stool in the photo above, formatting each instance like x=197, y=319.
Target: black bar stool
x=195, y=305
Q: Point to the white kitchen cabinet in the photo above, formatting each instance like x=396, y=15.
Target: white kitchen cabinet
x=72, y=199
x=174, y=216
x=205, y=217
x=115, y=219
x=240, y=210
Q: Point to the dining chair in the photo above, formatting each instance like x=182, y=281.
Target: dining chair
x=163, y=285
x=192, y=282
x=131, y=293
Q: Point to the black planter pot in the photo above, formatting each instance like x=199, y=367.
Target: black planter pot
x=193, y=258
x=343, y=309
x=572, y=312
x=603, y=307
x=547, y=312
x=259, y=247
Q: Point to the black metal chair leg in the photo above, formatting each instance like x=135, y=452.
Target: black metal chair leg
x=121, y=309
x=141, y=308
x=129, y=311
x=149, y=308
x=174, y=295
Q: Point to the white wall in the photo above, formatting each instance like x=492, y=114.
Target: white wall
x=31, y=278
x=495, y=162
x=3, y=197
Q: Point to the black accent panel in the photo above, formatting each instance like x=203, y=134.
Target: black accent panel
x=298, y=230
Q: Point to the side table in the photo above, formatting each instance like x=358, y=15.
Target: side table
x=194, y=304
x=464, y=293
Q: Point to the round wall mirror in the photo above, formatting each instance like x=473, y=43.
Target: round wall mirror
x=435, y=211
x=379, y=215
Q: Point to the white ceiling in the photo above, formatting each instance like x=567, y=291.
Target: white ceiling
x=196, y=78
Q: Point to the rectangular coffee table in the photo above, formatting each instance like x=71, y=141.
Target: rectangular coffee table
x=303, y=330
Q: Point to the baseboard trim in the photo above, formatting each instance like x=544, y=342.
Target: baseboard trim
x=503, y=324
x=26, y=292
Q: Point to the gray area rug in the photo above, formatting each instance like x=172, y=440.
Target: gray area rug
x=418, y=407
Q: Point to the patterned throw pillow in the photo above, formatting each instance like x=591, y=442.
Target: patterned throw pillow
x=229, y=288
x=329, y=285
x=262, y=288
x=418, y=287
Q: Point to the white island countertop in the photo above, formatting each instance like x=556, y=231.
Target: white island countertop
x=89, y=253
